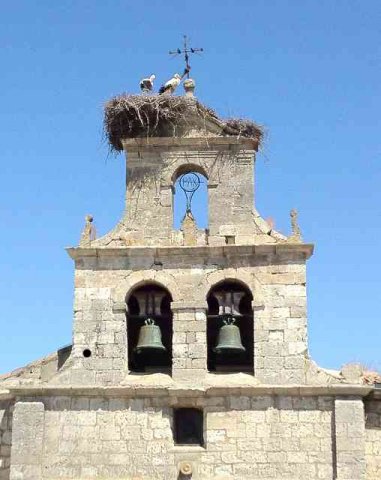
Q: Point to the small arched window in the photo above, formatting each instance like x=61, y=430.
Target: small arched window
x=190, y=194
x=230, y=328
x=149, y=329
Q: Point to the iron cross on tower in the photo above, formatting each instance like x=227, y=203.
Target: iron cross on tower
x=186, y=51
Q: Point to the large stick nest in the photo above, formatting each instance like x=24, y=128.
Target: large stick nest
x=133, y=116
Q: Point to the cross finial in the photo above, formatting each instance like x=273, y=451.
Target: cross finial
x=186, y=51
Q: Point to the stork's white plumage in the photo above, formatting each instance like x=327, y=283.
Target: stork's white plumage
x=146, y=84
x=171, y=85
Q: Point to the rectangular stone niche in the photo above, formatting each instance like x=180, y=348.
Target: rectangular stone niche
x=188, y=425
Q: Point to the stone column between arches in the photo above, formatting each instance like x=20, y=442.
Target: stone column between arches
x=259, y=314
x=189, y=341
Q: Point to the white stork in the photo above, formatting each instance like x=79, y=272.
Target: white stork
x=146, y=84
x=171, y=85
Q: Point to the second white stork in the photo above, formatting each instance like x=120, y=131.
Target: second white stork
x=171, y=85
x=146, y=84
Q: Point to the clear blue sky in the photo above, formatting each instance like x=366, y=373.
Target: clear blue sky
x=308, y=70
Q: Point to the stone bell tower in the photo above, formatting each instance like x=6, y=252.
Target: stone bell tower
x=238, y=256
x=189, y=357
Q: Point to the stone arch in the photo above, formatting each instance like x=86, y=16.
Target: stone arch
x=149, y=327
x=230, y=325
x=247, y=279
x=138, y=279
x=182, y=164
x=200, y=207
x=186, y=168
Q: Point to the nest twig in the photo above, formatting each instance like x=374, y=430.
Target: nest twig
x=132, y=116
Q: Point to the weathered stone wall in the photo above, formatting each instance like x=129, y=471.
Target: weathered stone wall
x=189, y=341
x=349, y=448
x=247, y=438
x=27, y=440
x=149, y=213
x=102, y=329
x=277, y=282
x=373, y=439
x=5, y=438
x=101, y=438
x=264, y=437
x=280, y=327
x=151, y=177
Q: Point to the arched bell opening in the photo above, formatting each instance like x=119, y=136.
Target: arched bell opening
x=190, y=196
x=149, y=329
x=230, y=328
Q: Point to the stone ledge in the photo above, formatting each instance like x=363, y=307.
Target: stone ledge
x=195, y=143
x=170, y=251
x=187, y=449
x=185, y=390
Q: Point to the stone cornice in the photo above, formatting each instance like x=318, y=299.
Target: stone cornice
x=195, y=143
x=188, y=391
x=210, y=250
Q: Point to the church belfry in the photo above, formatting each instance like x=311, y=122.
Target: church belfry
x=219, y=279
x=189, y=357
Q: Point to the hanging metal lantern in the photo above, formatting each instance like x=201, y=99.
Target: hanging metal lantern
x=149, y=337
x=229, y=338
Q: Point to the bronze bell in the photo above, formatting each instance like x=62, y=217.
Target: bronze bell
x=149, y=337
x=229, y=338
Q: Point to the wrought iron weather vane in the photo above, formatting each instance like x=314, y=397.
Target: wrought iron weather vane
x=186, y=51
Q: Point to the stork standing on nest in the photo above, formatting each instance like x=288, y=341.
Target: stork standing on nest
x=146, y=84
x=171, y=85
